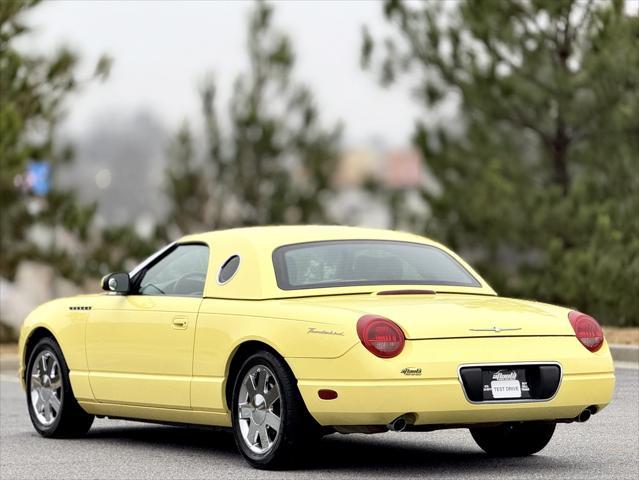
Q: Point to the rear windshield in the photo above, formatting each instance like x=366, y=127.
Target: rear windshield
x=366, y=262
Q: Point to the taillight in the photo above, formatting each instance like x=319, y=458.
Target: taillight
x=588, y=331
x=380, y=336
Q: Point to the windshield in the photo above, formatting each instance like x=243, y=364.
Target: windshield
x=366, y=262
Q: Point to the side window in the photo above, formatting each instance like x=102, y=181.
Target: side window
x=180, y=273
x=228, y=269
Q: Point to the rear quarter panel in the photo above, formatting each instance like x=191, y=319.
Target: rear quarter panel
x=292, y=331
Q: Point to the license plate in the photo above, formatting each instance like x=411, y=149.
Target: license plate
x=504, y=383
x=506, y=388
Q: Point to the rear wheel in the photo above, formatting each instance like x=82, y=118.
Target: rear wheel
x=268, y=413
x=514, y=439
x=53, y=409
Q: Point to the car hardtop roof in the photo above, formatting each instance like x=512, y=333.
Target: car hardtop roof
x=271, y=237
x=255, y=278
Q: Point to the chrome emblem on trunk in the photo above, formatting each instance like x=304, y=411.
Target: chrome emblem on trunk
x=494, y=329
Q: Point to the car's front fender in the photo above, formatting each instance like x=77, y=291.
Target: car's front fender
x=65, y=321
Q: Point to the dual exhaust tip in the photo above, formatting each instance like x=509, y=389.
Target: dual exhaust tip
x=401, y=422
x=586, y=414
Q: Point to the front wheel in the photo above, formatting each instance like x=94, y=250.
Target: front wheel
x=53, y=409
x=514, y=439
x=268, y=413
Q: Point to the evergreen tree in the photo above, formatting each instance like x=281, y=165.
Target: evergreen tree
x=33, y=92
x=539, y=176
x=272, y=164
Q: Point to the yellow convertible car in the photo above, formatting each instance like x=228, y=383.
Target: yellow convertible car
x=285, y=334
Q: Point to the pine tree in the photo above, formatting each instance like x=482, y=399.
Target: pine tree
x=33, y=92
x=539, y=175
x=272, y=164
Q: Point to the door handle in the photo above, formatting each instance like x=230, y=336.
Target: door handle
x=180, y=323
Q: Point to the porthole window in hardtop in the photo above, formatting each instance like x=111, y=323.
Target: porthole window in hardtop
x=228, y=269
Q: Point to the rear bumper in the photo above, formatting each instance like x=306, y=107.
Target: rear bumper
x=443, y=402
x=437, y=396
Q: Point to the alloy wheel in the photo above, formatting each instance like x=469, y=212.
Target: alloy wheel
x=46, y=387
x=259, y=409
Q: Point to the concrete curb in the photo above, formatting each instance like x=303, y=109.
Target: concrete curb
x=625, y=353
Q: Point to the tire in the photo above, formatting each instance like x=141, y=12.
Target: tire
x=514, y=440
x=53, y=409
x=255, y=412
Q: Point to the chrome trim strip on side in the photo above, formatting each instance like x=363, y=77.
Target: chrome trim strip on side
x=505, y=364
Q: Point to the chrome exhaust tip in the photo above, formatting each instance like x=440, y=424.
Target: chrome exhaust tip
x=401, y=422
x=397, y=425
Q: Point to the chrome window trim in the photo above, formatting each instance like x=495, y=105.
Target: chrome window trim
x=150, y=259
x=505, y=364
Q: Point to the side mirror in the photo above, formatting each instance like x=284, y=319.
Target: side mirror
x=116, y=282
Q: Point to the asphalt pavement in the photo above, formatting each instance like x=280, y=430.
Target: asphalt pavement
x=607, y=446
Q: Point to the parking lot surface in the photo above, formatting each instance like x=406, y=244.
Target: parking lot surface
x=607, y=446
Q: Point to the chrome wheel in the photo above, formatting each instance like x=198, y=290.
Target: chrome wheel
x=45, y=387
x=259, y=409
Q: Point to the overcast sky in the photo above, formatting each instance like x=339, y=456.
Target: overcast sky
x=163, y=50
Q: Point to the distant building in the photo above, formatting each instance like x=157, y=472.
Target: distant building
x=390, y=169
x=403, y=168
x=400, y=168
x=355, y=167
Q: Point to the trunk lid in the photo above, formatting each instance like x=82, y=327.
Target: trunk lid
x=458, y=315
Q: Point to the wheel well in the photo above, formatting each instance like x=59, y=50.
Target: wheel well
x=38, y=334
x=244, y=351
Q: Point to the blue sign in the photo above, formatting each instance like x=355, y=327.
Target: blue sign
x=38, y=177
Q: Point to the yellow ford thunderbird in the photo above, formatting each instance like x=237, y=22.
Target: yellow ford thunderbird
x=286, y=334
